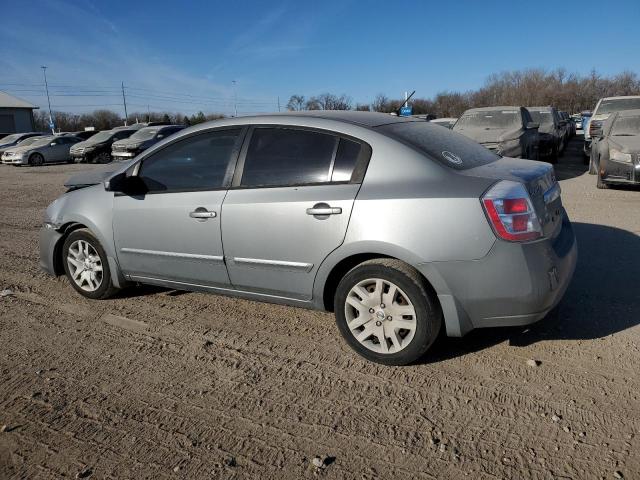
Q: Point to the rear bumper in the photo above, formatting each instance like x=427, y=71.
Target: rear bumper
x=515, y=284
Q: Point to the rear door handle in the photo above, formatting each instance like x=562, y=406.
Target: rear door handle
x=202, y=213
x=323, y=209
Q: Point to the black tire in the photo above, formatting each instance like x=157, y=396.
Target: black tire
x=106, y=288
x=36, y=160
x=427, y=310
x=601, y=184
x=593, y=167
x=103, y=157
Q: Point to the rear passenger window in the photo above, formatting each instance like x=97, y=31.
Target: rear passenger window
x=282, y=156
x=346, y=158
x=201, y=162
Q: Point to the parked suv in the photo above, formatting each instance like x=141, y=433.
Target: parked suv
x=141, y=140
x=399, y=226
x=616, y=150
x=552, y=132
x=508, y=131
x=97, y=149
x=604, y=108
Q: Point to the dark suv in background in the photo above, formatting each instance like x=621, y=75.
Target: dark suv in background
x=508, y=131
x=97, y=149
x=141, y=140
x=551, y=133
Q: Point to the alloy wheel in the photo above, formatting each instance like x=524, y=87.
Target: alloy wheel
x=85, y=265
x=380, y=316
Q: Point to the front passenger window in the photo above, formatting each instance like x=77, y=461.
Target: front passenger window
x=200, y=162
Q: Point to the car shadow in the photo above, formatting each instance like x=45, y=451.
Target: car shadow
x=572, y=163
x=602, y=299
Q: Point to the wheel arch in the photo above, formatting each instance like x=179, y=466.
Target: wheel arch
x=66, y=230
x=330, y=276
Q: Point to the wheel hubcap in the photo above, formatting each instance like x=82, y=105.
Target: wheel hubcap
x=380, y=316
x=85, y=265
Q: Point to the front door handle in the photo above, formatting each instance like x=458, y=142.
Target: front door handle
x=323, y=209
x=202, y=213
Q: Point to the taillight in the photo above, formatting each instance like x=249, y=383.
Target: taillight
x=511, y=213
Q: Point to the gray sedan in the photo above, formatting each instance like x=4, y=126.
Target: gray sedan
x=400, y=227
x=49, y=149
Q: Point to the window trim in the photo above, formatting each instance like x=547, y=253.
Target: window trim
x=233, y=163
x=357, y=175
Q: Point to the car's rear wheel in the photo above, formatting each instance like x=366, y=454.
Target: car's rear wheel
x=36, y=160
x=386, y=313
x=86, y=266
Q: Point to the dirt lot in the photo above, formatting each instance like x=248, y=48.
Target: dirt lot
x=165, y=384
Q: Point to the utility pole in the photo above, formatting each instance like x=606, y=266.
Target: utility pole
x=124, y=101
x=235, y=99
x=278, y=102
x=46, y=86
x=148, y=113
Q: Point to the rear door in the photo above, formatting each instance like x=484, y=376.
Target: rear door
x=289, y=207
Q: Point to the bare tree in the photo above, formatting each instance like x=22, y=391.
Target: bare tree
x=296, y=103
x=328, y=101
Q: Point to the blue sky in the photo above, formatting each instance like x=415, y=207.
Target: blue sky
x=183, y=56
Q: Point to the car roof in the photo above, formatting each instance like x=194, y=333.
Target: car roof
x=365, y=119
x=491, y=109
x=542, y=107
x=622, y=97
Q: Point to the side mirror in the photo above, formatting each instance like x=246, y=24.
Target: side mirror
x=532, y=125
x=128, y=185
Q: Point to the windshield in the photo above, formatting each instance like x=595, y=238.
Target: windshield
x=144, y=134
x=10, y=138
x=28, y=141
x=543, y=117
x=625, y=126
x=40, y=141
x=448, y=148
x=490, y=119
x=618, y=104
x=101, y=137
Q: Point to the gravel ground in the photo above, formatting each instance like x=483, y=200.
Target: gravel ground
x=167, y=384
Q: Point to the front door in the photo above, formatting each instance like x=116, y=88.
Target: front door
x=173, y=231
x=290, y=209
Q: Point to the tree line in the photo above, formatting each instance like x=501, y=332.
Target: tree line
x=567, y=91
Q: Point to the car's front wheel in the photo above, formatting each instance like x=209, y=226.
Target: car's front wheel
x=386, y=313
x=36, y=160
x=86, y=266
x=103, y=157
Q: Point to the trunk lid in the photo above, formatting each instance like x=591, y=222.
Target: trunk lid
x=540, y=181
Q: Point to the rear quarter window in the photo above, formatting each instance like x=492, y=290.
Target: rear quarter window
x=448, y=148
